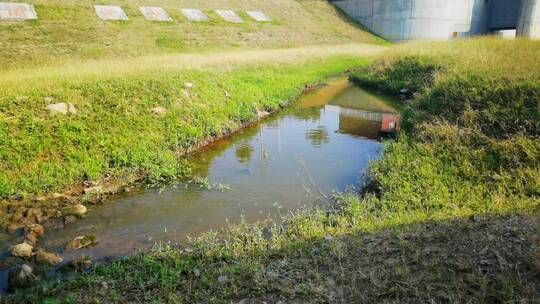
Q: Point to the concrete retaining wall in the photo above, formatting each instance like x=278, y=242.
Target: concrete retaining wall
x=529, y=19
x=401, y=20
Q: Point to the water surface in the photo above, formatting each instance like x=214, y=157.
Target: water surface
x=323, y=143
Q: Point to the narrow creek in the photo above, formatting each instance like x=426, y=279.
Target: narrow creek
x=321, y=144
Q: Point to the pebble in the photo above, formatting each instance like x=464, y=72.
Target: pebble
x=158, y=111
x=262, y=114
x=36, y=229
x=61, y=108
x=22, y=250
x=76, y=210
x=48, y=258
x=222, y=279
x=93, y=190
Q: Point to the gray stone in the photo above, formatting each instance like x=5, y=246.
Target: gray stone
x=222, y=279
x=25, y=272
x=44, y=257
x=259, y=16
x=76, y=210
x=62, y=108
x=17, y=11
x=158, y=111
x=153, y=13
x=194, y=14
x=93, y=190
x=106, y=12
x=229, y=16
x=262, y=114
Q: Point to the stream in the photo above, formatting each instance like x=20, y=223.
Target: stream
x=323, y=143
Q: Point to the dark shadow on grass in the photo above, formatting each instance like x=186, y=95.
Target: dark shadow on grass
x=476, y=260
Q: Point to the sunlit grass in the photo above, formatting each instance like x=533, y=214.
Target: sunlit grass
x=18, y=79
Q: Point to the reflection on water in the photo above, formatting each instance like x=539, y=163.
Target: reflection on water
x=322, y=144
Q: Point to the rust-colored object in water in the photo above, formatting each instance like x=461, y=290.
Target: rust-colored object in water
x=390, y=123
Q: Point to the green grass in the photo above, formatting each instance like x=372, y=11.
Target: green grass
x=451, y=215
x=70, y=31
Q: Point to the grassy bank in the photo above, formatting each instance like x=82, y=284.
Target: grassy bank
x=70, y=31
x=451, y=216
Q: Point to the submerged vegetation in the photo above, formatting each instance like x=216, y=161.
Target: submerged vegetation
x=451, y=214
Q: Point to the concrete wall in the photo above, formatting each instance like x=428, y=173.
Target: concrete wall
x=529, y=19
x=504, y=14
x=402, y=20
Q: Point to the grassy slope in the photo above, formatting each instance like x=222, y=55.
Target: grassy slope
x=452, y=215
x=69, y=31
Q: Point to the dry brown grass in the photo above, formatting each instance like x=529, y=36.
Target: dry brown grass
x=224, y=61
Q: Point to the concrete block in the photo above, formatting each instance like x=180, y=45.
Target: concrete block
x=194, y=14
x=106, y=12
x=17, y=11
x=229, y=16
x=259, y=16
x=153, y=13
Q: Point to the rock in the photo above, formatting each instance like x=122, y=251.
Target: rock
x=81, y=242
x=20, y=276
x=262, y=114
x=44, y=257
x=267, y=233
x=36, y=229
x=222, y=279
x=61, y=108
x=31, y=239
x=328, y=238
x=227, y=94
x=23, y=250
x=188, y=85
x=186, y=93
x=158, y=111
x=93, y=190
x=76, y=210
x=58, y=196
x=405, y=91
x=34, y=214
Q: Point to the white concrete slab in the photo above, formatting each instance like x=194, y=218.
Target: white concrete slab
x=154, y=13
x=194, y=14
x=17, y=11
x=106, y=12
x=259, y=16
x=229, y=16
